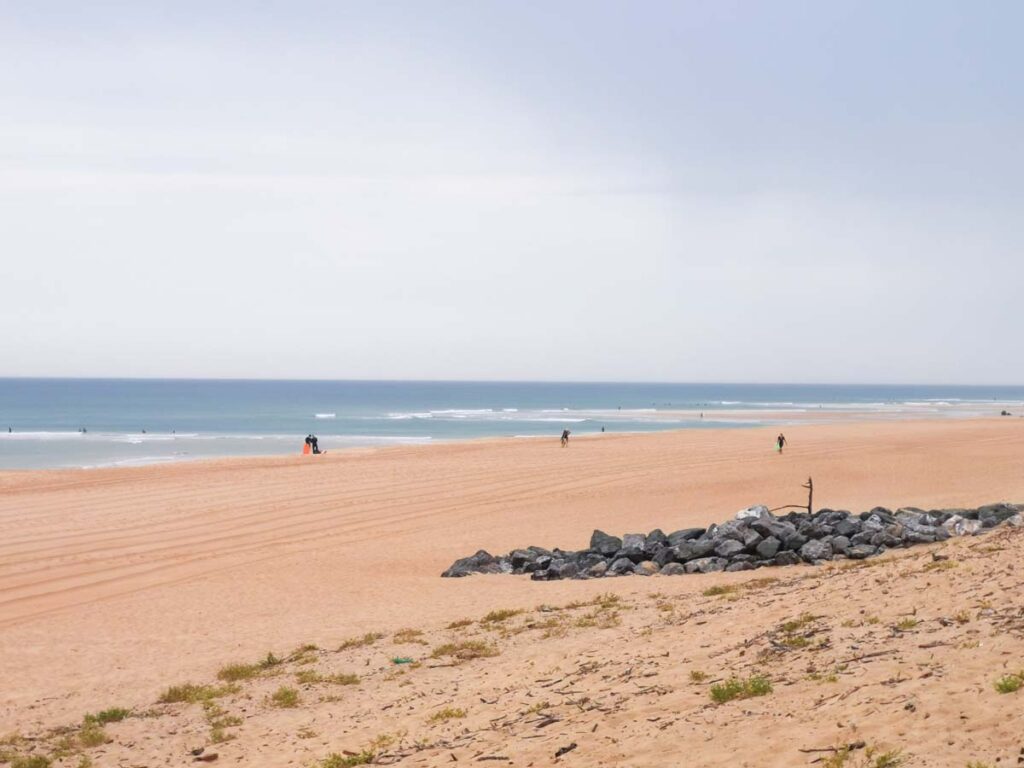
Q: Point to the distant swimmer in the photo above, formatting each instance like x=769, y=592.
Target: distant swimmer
x=602, y=429
x=565, y=437
x=780, y=442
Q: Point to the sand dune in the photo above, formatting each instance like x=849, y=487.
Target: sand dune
x=115, y=584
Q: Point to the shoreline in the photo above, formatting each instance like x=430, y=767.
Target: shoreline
x=766, y=420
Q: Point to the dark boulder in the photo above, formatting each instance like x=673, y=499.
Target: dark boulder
x=787, y=558
x=743, y=565
x=728, y=547
x=620, y=567
x=633, y=547
x=707, y=565
x=604, y=544
x=676, y=537
x=815, y=550
x=645, y=568
x=672, y=569
x=768, y=548
x=860, y=551
x=481, y=562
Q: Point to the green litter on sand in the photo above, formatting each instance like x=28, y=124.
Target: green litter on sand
x=401, y=660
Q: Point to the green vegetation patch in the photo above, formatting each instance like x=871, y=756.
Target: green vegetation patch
x=734, y=688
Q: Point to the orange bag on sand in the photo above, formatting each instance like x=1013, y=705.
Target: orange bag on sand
x=306, y=450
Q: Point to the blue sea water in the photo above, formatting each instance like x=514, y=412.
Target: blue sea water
x=138, y=421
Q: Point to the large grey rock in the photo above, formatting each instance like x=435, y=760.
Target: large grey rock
x=768, y=548
x=751, y=539
x=481, y=562
x=597, y=570
x=604, y=544
x=633, y=547
x=620, y=567
x=794, y=541
x=728, y=547
x=707, y=565
x=848, y=527
x=1016, y=521
x=787, y=558
x=656, y=540
x=672, y=569
x=677, y=537
x=744, y=565
x=860, y=551
x=816, y=549
x=753, y=513
x=645, y=568
x=840, y=543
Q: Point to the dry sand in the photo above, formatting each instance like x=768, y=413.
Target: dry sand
x=115, y=584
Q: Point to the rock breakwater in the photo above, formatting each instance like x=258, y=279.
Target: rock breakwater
x=754, y=539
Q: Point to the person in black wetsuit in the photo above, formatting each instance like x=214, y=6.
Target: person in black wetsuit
x=565, y=437
x=313, y=444
x=780, y=442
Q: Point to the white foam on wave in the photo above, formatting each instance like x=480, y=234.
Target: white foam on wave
x=324, y=415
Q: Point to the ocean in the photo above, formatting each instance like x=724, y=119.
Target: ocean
x=122, y=422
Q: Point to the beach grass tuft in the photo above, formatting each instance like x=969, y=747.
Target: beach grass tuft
x=361, y=642
x=496, y=617
x=112, y=715
x=189, y=693
x=1010, y=683
x=465, y=650
x=285, y=697
x=234, y=672
x=734, y=688
x=448, y=713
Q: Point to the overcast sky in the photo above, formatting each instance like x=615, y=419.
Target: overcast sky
x=679, y=191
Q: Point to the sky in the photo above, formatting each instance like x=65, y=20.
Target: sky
x=558, y=190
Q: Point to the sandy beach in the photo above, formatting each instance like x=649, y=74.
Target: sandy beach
x=115, y=584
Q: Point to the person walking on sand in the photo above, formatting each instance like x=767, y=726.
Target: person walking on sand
x=780, y=442
x=565, y=437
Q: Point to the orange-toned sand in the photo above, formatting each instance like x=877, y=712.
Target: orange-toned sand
x=115, y=584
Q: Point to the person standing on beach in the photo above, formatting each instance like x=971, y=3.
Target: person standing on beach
x=565, y=437
x=780, y=442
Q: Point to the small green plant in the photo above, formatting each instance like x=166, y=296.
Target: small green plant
x=495, y=617
x=465, y=650
x=696, y=676
x=540, y=706
x=92, y=735
x=409, y=636
x=794, y=625
x=905, y=625
x=962, y=617
x=112, y=715
x=446, y=714
x=335, y=760
x=359, y=642
x=190, y=694
x=365, y=757
x=309, y=676
x=1010, y=683
x=218, y=735
x=889, y=759
x=270, y=660
x=978, y=764
x=234, y=672
x=460, y=624
x=735, y=688
x=285, y=697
